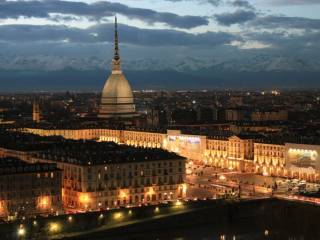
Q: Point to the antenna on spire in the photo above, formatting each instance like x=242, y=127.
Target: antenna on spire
x=116, y=40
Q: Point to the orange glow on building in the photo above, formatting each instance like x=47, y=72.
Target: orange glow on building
x=1, y=208
x=123, y=193
x=44, y=202
x=84, y=198
x=151, y=191
x=184, y=189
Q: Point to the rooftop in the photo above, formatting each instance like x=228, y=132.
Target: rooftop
x=98, y=153
x=80, y=152
x=80, y=125
x=18, y=141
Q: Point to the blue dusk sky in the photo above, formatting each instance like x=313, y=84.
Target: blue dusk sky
x=53, y=35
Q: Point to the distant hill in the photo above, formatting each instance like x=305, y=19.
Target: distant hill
x=210, y=78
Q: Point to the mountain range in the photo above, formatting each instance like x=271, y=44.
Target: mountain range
x=256, y=63
x=19, y=73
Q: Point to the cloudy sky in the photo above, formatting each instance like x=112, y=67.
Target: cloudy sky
x=159, y=28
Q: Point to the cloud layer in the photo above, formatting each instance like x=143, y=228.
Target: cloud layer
x=273, y=22
x=104, y=33
x=95, y=11
x=239, y=16
x=224, y=29
x=292, y=2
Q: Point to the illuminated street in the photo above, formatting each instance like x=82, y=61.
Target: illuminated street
x=208, y=182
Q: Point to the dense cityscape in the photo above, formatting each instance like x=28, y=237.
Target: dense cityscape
x=159, y=164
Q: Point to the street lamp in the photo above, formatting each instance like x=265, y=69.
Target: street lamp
x=70, y=219
x=21, y=231
x=54, y=227
x=157, y=210
x=117, y=216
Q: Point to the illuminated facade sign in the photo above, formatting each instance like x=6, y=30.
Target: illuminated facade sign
x=185, y=139
x=184, y=145
x=302, y=158
x=189, y=146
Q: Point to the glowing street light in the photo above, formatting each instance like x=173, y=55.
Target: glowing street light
x=117, y=216
x=70, y=219
x=21, y=231
x=157, y=210
x=178, y=203
x=54, y=227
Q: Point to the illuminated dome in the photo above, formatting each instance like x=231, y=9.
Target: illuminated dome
x=117, y=98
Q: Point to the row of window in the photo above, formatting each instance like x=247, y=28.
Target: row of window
x=268, y=147
x=136, y=183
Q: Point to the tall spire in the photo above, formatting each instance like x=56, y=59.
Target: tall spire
x=116, y=67
x=116, y=40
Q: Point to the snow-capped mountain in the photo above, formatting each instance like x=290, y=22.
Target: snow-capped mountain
x=257, y=63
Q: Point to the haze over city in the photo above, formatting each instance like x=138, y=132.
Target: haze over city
x=196, y=44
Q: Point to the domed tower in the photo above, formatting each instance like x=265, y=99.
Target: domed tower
x=117, y=98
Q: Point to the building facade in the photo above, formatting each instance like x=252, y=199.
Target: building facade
x=28, y=189
x=269, y=159
x=229, y=153
x=94, y=186
x=237, y=152
x=280, y=115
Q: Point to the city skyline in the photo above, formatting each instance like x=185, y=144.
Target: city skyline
x=159, y=119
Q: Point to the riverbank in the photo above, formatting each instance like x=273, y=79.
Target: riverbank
x=258, y=219
x=169, y=221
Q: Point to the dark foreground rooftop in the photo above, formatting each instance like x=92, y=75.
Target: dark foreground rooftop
x=96, y=153
x=80, y=152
